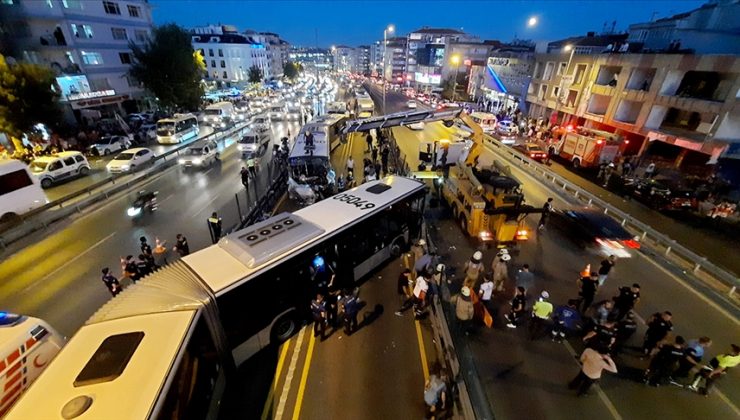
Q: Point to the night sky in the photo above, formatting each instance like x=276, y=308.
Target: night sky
x=354, y=22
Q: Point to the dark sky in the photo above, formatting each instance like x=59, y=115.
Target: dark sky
x=362, y=22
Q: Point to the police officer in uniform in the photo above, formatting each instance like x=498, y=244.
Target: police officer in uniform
x=131, y=268
x=350, y=307
x=663, y=363
x=214, y=224
x=318, y=310
x=146, y=250
x=111, y=282
x=626, y=300
x=181, y=246
x=602, y=336
x=659, y=325
x=144, y=266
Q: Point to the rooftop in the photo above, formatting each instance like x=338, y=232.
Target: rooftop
x=441, y=31
x=590, y=40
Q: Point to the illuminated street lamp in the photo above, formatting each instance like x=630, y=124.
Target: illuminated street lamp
x=532, y=21
x=455, y=59
x=386, y=31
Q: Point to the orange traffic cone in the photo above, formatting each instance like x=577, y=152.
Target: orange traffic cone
x=586, y=271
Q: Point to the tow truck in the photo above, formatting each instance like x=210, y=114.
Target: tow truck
x=487, y=203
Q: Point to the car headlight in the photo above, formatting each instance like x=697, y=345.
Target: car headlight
x=125, y=167
x=181, y=161
x=196, y=161
x=240, y=147
x=133, y=211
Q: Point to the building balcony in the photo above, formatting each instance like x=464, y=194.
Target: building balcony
x=708, y=86
x=598, y=104
x=688, y=104
x=604, y=90
x=689, y=124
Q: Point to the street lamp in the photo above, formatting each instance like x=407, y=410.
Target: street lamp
x=455, y=59
x=386, y=31
x=531, y=22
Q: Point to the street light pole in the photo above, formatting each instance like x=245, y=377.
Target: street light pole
x=385, y=52
x=456, y=61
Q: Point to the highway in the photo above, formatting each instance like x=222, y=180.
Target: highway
x=520, y=375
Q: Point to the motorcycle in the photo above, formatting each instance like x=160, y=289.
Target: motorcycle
x=146, y=201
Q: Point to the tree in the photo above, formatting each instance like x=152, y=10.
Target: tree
x=255, y=74
x=169, y=68
x=27, y=97
x=447, y=87
x=290, y=70
x=300, y=67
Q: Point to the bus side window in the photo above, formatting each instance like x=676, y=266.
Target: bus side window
x=191, y=391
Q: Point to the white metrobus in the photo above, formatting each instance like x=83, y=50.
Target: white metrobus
x=485, y=120
x=20, y=191
x=177, y=129
x=168, y=346
x=313, y=164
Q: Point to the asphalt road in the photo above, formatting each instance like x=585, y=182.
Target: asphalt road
x=526, y=380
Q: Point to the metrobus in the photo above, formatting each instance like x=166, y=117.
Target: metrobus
x=485, y=120
x=177, y=129
x=20, y=191
x=168, y=346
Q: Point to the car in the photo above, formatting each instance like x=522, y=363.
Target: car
x=260, y=123
x=411, y=104
x=202, y=155
x=109, y=144
x=129, y=160
x=594, y=230
x=149, y=131
x=507, y=131
x=50, y=170
x=531, y=150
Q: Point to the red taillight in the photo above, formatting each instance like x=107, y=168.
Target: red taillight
x=599, y=141
x=533, y=155
x=631, y=243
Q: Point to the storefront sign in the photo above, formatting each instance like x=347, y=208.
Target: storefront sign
x=91, y=95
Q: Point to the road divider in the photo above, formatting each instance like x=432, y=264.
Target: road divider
x=43, y=217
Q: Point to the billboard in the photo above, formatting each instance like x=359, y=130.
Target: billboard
x=428, y=79
x=77, y=87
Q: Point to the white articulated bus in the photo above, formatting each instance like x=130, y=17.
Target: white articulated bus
x=20, y=191
x=167, y=346
x=311, y=165
x=177, y=129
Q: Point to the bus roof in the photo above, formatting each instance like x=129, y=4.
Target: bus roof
x=133, y=393
x=11, y=164
x=320, y=143
x=247, y=251
x=177, y=117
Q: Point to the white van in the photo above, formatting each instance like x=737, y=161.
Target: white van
x=58, y=167
x=253, y=141
x=19, y=190
x=485, y=120
x=27, y=345
x=219, y=114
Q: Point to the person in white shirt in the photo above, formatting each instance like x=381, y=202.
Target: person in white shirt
x=485, y=292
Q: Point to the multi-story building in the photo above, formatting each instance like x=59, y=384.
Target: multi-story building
x=394, y=59
x=376, y=58
x=312, y=59
x=229, y=55
x=460, y=59
x=345, y=58
x=426, y=54
x=679, y=108
x=502, y=81
x=277, y=50
x=709, y=29
x=363, y=60
x=86, y=43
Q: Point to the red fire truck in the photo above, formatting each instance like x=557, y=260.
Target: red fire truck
x=587, y=147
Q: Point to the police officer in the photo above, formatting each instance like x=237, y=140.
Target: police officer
x=146, y=250
x=626, y=328
x=659, y=325
x=663, y=363
x=318, y=310
x=350, y=308
x=602, y=336
x=144, y=266
x=181, y=246
x=214, y=224
x=111, y=282
x=131, y=268
x=626, y=300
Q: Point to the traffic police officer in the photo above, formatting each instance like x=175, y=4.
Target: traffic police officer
x=214, y=224
x=318, y=310
x=350, y=307
x=111, y=282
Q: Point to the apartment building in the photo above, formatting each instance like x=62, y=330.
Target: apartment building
x=229, y=55
x=277, y=51
x=394, y=59
x=426, y=54
x=86, y=44
x=345, y=58
x=363, y=55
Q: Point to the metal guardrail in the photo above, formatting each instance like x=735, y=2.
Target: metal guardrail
x=689, y=260
x=266, y=204
x=41, y=217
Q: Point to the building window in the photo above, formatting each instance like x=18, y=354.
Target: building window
x=220, y=52
x=72, y=4
x=223, y=64
x=119, y=33
x=132, y=82
x=91, y=58
x=225, y=76
x=99, y=84
x=126, y=58
x=82, y=31
x=141, y=35
x=562, y=68
x=213, y=63
x=210, y=52
x=111, y=8
x=134, y=11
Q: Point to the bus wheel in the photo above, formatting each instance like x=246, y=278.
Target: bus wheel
x=463, y=223
x=284, y=328
x=10, y=218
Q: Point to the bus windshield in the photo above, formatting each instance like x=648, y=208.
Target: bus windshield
x=213, y=112
x=165, y=128
x=248, y=140
x=309, y=166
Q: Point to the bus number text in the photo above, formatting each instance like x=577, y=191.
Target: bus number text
x=354, y=200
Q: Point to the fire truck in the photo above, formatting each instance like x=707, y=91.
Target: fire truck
x=587, y=147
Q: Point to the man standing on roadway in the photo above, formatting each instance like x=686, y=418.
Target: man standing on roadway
x=717, y=367
x=594, y=362
x=244, y=173
x=181, y=246
x=111, y=282
x=606, y=266
x=318, y=310
x=214, y=226
x=350, y=307
x=546, y=209
x=659, y=325
x=541, y=312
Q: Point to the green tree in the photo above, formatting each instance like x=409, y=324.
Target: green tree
x=255, y=74
x=300, y=67
x=27, y=97
x=169, y=68
x=290, y=70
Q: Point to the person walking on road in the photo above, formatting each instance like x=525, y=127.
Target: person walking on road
x=405, y=285
x=546, y=209
x=374, y=154
x=485, y=292
x=500, y=269
x=659, y=325
x=594, y=362
x=384, y=153
x=214, y=226
x=473, y=269
x=588, y=285
x=350, y=307
x=369, y=141
x=181, y=245
x=350, y=165
x=606, y=266
x=566, y=319
x=244, y=174
x=464, y=309
x=252, y=165
x=111, y=282
x=518, y=307
x=541, y=311
x=318, y=311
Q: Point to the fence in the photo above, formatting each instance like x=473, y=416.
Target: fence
x=40, y=218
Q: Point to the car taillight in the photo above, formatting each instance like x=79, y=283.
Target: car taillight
x=522, y=235
x=485, y=235
x=631, y=243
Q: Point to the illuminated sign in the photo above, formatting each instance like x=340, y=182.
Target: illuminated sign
x=91, y=95
x=431, y=79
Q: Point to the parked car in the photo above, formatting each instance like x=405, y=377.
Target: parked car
x=129, y=160
x=596, y=231
x=50, y=170
x=531, y=150
x=411, y=104
x=202, y=155
x=110, y=144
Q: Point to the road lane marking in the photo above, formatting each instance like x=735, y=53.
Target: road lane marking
x=273, y=387
x=607, y=402
x=724, y=398
x=63, y=266
x=304, y=378
x=289, y=376
x=422, y=352
x=201, y=209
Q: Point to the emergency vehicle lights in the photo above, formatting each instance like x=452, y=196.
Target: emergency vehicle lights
x=522, y=235
x=318, y=261
x=599, y=141
x=485, y=235
x=133, y=211
x=569, y=127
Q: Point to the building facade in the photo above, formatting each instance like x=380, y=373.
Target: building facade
x=426, y=54
x=277, y=51
x=394, y=59
x=502, y=81
x=363, y=60
x=229, y=55
x=86, y=44
x=345, y=58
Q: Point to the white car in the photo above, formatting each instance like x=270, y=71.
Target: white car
x=109, y=144
x=260, y=123
x=507, y=130
x=59, y=166
x=411, y=104
x=200, y=156
x=129, y=160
